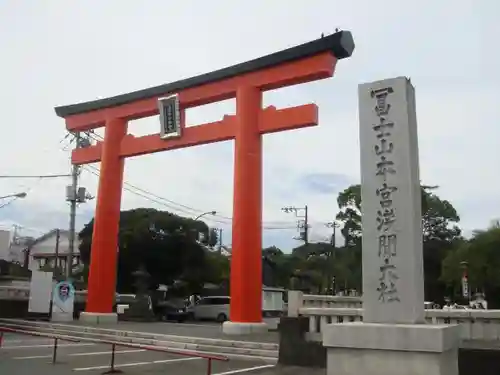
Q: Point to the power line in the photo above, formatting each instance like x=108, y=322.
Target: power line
x=148, y=195
x=302, y=223
x=160, y=200
x=39, y=177
x=36, y=176
x=97, y=137
x=223, y=219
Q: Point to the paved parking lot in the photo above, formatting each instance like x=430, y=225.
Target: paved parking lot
x=21, y=355
x=190, y=329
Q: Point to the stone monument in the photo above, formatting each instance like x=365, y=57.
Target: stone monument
x=141, y=309
x=393, y=337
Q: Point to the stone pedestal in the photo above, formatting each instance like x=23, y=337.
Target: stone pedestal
x=98, y=318
x=391, y=349
x=236, y=328
x=61, y=317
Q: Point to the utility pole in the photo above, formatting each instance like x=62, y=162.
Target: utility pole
x=220, y=240
x=75, y=170
x=306, y=226
x=56, y=264
x=302, y=223
x=334, y=225
x=75, y=195
x=333, y=253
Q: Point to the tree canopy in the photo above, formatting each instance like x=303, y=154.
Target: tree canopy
x=177, y=250
x=439, y=231
x=481, y=256
x=167, y=245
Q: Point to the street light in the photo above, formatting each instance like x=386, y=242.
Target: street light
x=205, y=213
x=17, y=195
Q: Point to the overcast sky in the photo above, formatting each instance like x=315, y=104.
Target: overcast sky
x=63, y=52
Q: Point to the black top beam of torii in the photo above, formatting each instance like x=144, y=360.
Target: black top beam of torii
x=340, y=44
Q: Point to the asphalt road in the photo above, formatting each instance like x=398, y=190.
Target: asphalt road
x=26, y=355
x=21, y=355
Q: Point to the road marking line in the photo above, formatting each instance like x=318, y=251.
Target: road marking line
x=42, y=346
x=109, y=352
x=136, y=364
x=215, y=325
x=34, y=357
x=245, y=370
x=83, y=354
x=23, y=341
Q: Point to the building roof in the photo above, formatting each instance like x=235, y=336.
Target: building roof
x=62, y=232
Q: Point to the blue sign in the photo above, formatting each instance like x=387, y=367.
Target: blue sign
x=64, y=290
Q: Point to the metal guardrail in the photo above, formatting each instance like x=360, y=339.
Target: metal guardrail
x=38, y=334
x=112, y=369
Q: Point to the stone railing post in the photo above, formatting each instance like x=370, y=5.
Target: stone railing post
x=295, y=302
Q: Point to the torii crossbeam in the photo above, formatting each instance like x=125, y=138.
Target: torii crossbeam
x=246, y=82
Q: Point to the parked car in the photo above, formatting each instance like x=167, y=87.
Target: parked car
x=431, y=305
x=174, y=310
x=210, y=308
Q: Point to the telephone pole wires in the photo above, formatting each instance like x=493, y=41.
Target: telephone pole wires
x=334, y=225
x=302, y=223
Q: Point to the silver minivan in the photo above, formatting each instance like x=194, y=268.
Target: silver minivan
x=210, y=308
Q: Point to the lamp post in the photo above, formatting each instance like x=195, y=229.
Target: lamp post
x=205, y=213
x=17, y=195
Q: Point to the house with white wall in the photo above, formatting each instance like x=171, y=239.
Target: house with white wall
x=51, y=246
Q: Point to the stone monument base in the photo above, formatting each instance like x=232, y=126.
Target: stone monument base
x=58, y=317
x=391, y=349
x=98, y=318
x=237, y=328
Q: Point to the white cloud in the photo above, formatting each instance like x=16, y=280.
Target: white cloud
x=57, y=54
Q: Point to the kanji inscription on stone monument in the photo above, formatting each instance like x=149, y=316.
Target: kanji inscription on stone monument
x=390, y=189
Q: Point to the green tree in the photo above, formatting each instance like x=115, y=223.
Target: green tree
x=212, y=237
x=349, y=202
x=218, y=269
x=440, y=234
x=161, y=241
x=482, y=256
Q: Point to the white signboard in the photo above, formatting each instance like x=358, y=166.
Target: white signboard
x=393, y=284
x=63, y=300
x=465, y=287
x=40, y=292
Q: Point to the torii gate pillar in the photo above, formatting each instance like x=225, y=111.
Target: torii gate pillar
x=246, y=82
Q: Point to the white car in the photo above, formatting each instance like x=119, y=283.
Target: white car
x=210, y=308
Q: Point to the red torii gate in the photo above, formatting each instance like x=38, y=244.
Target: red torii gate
x=245, y=82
